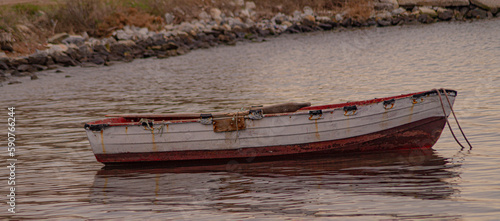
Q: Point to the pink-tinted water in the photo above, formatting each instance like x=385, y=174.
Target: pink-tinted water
x=58, y=177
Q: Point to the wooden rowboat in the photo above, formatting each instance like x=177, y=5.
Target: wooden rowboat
x=406, y=121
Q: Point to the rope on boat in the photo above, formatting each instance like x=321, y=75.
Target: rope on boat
x=456, y=120
x=147, y=126
x=145, y=122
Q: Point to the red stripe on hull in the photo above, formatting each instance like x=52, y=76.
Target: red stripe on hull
x=419, y=134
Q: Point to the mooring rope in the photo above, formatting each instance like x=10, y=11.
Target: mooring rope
x=143, y=121
x=456, y=120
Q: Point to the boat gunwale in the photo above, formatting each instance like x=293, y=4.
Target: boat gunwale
x=303, y=111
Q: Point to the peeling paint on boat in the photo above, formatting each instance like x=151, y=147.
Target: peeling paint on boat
x=102, y=142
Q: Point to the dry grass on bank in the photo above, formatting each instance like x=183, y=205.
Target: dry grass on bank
x=28, y=25
x=32, y=23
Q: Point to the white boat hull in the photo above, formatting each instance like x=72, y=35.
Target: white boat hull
x=409, y=122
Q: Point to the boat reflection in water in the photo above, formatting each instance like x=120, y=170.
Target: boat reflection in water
x=280, y=185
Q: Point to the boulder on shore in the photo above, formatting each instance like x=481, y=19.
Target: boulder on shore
x=425, y=18
x=58, y=38
x=445, y=14
x=492, y=5
x=63, y=59
x=385, y=4
x=428, y=11
x=40, y=57
x=123, y=49
x=479, y=13
x=59, y=48
x=440, y=3
x=26, y=68
x=309, y=20
x=384, y=22
x=74, y=39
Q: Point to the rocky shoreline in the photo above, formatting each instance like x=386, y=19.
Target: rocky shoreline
x=215, y=28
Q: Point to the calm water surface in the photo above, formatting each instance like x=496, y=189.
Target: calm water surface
x=58, y=177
